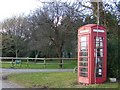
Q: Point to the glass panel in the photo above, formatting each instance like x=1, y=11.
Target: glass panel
x=83, y=49
x=84, y=59
x=97, y=38
x=101, y=44
x=99, y=67
x=83, y=53
x=83, y=74
x=99, y=62
x=83, y=39
x=83, y=64
x=97, y=44
x=99, y=52
x=83, y=69
x=99, y=72
x=83, y=44
x=101, y=38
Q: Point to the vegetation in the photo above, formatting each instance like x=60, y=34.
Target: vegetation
x=54, y=80
x=51, y=31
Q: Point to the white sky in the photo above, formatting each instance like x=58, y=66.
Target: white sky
x=9, y=8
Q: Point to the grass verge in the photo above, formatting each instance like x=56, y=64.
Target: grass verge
x=53, y=80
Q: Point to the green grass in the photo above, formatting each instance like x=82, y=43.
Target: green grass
x=105, y=85
x=69, y=64
x=53, y=80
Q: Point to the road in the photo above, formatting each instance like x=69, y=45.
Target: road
x=34, y=70
x=8, y=84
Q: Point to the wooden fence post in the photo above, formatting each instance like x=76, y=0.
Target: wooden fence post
x=62, y=63
x=12, y=63
x=44, y=63
x=27, y=62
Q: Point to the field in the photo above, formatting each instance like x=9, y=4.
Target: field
x=54, y=64
x=50, y=80
x=54, y=80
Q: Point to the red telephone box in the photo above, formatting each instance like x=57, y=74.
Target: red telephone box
x=92, y=54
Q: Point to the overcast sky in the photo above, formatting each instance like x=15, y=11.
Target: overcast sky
x=9, y=8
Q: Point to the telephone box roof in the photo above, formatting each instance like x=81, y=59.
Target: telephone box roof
x=92, y=25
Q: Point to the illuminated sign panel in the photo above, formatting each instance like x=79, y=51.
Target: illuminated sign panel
x=84, y=31
x=98, y=30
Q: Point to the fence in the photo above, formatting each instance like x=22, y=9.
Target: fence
x=42, y=61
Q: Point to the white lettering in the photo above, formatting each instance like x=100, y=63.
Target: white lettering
x=84, y=31
x=98, y=30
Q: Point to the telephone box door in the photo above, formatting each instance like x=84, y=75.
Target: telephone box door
x=83, y=59
x=99, y=59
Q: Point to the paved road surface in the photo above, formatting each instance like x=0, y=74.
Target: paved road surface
x=34, y=70
x=8, y=84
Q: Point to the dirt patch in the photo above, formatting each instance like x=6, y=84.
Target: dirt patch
x=4, y=77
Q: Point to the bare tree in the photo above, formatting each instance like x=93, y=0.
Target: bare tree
x=14, y=28
x=56, y=23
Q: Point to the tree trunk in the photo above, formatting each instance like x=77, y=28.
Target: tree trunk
x=36, y=55
x=61, y=60
x=59, y=50
x=16, y=53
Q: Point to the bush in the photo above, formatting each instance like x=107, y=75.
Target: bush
x=112, y=57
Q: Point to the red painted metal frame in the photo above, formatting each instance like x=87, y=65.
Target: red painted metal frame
x=87, y=31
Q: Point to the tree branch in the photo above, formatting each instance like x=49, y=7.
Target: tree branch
x=85, y=6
